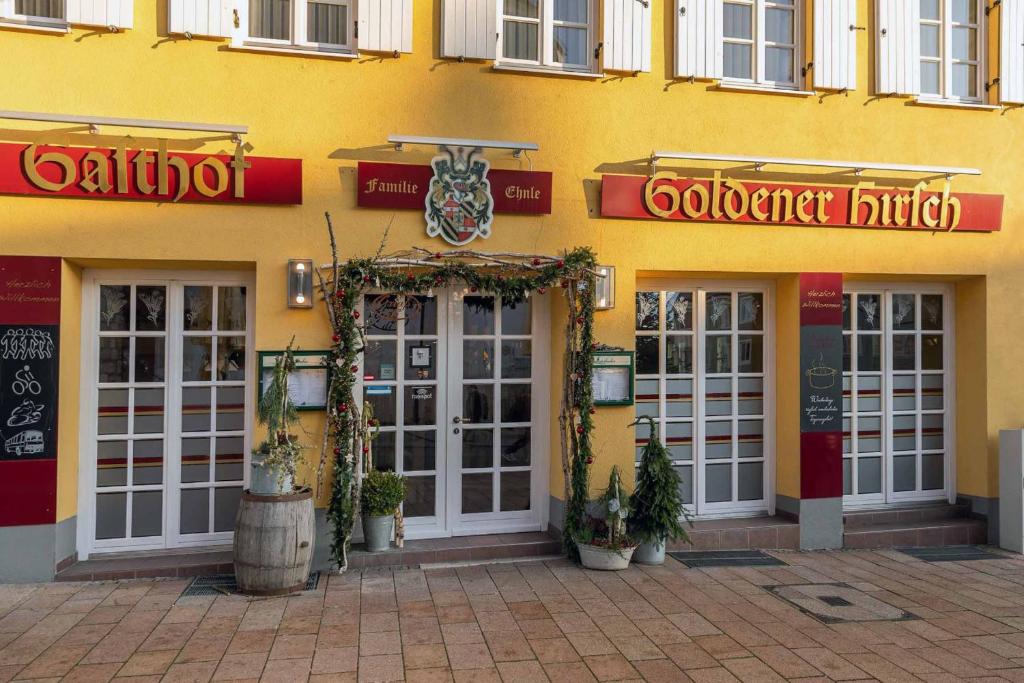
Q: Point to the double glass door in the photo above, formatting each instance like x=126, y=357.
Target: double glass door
x=897, y=386
x=702, y=373
x=454, y=379
x=167, y=410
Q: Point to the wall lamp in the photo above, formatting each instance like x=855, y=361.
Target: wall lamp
x=604, y=296
x=300, y=283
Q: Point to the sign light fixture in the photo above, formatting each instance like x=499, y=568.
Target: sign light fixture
x=300, y=283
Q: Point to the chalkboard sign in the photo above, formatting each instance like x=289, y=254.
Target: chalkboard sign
x=29, y=373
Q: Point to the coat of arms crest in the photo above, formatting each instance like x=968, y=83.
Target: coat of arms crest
x=459, y=205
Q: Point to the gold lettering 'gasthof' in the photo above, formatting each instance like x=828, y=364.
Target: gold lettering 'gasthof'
x=112, y=173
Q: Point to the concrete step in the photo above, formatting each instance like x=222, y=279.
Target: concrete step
x=140, y=565
x=762, y=533
x=458, y=549
x=930, y=533
x=858, y=519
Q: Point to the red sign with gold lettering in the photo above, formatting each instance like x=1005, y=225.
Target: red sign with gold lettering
x=863, y=205
x=405, y=186
x=149, y=175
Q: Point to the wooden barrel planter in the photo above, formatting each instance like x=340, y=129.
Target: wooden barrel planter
x=274, y=542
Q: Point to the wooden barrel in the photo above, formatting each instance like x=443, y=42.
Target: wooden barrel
x=274, y=542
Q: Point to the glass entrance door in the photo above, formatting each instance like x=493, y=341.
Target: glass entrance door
x=453, y=380
x=169, y=361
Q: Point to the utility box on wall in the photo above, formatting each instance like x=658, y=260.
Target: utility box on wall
x=1011, y=489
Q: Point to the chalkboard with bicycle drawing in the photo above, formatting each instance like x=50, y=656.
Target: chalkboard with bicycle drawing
x=29, y=364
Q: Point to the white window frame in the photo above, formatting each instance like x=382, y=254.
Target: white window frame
x=8, y=15
x=759, y=43
x=945, y=58
x=299, y=38
x=546, y=24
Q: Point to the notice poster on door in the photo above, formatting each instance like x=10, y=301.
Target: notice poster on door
x=821, y=385
x=29, y=384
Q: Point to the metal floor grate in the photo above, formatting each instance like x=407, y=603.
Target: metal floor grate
x=224, y=584
x=726, y=558
x=951, y=553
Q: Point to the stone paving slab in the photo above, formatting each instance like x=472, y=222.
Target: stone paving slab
x=540, y=621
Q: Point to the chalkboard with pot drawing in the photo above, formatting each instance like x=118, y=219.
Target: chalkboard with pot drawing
x=29, y=363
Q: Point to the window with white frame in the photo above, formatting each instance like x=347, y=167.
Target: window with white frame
x=951, y=49
x=33, y=11
x=548, y=33
x=312, y=24
x=760, y=41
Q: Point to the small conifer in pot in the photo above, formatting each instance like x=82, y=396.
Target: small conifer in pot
x=657, y=510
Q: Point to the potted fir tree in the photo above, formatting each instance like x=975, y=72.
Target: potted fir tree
x=274, y=461
x=656, y=505
x=382, y=493
x=604, y=543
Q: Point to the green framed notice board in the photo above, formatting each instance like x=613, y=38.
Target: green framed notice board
x=613, y=378
x=307, y=383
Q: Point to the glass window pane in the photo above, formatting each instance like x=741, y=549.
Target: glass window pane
x=965, y=11
x=515, y=491
x=868, y=308
x=685, y=473
x=718, y=484
x=679, y=398
x=738, y=21
x=932, y=432
x=931, y=352
x=930, y=40
x=326, y=23
x=419, y=496
x=931, y=392
x=647, y=310
x=516, y=318
x=515, y=402
x=571, y=10
x=382, y=402
x=379, y=360
x=230, y=458
x=195, y=460
x=779, y=25
x=751, y=353
x=678, y=311
x=198, y=308
x=515, y=358
x=49, y=9
x=382, y=451
x=225, y=507
x=904, y=473
x=965, y=43
x=515, y=447
x=148, y=462
x=478, y=315
x=420, y=450
x=570, y=46
x=520, y=41
x=932, y=471
x=869, y=352
x=231, y=359
x=111, y=515
x=196, y=354
x=751, y=481
x=522, y=8
x=779, y=64
x=478, y=403
x=231, y=409
x=965, y=80
x=111, y=463
x=846, y=311
x=679, y=440
x=195, y=511
x=930, y=79
x=869, y=435
x=112, y=409
x=931, y=311
x=718, y=439
x=903, y=312
x=718, y=351
x=195, y=409
x=114, y=307
x=751, y=314
x=751, y=439
x=847, y=476
x=381, y=314
x=869, y=393
x=737, y=61
x=930, y=9
x=114, y=354
x=903, y=352
x=751, y=396
x=869, y=475
x=150, y=308
x=149, y=411
x=148, y=513
x=719, y=311
x=149, y=359
x=718, y=396
x=420, y=360
x=231, y=308
x=679, y=354
x=477, y=448
x=270, y=19
x=647, y=355
x=477, y=493
x=904, y=433
x=420, y=406
x=904, y=392
x=420, y=315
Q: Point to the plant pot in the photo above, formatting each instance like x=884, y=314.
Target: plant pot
x=596, y=557
x=650, y=553
x=264, y=481
x=377, y=532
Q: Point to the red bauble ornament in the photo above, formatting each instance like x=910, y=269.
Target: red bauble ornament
x=438, y=281
x=354, y=368
x=589, y=460
x=340, y=293
x=560, y=263
x=536, y=261
x=579, y=429
x=472, y=289
x=540, y=290
x=366, y=278
x=337, y=451
x=410, y=276
x=366, y=449
x=592, y=411
x=579, y=320
x=437, y=255
x=335, y=338
x=355, y=314
x=342, y=407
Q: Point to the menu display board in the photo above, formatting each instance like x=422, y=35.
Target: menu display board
x=613, y=378
x=307, y=383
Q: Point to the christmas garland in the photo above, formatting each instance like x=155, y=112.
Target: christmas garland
x=510, y=276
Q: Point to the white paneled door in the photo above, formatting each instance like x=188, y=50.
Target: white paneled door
x=165, y=422
x=459, y=383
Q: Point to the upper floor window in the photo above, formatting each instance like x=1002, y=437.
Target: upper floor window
x=45, y=12
x=951, y=53
x=760, y=41
x=312, y=24
x=548, y=33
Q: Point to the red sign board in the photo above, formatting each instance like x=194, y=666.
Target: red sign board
x=148, y=175
x=405, y=186
x=665, y=196
x=29, y=373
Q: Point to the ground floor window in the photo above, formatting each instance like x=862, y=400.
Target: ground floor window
x=897, y=386
x=703, y=366
x=167, y=409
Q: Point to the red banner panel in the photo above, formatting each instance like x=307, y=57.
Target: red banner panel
x=29, y=379
x=148, y=175
x=405, y=186
x=667, y=197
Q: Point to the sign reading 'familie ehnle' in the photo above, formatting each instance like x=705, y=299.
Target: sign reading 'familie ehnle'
x=668, y=197
x=148, y=175
x=405, y=186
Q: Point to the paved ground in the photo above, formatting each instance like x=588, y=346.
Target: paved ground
x=539, y=621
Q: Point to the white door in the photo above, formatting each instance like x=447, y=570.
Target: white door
x=704, y=364
x=452, y=377
x=897, y=394
x=167, y=377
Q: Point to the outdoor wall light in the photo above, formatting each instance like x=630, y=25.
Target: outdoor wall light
x=300, y=283
x=605, y=294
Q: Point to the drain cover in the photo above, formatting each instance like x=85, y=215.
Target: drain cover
x=224, y=584
x=951, y=553
x=834, y=603
x=726, y=558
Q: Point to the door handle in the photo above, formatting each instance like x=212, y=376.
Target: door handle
x=456, y=419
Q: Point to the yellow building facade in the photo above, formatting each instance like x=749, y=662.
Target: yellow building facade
x=711, y=307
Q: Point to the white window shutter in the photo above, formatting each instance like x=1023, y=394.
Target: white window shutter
x=899, y=47
x=469, y=29
x=1011, y=52
x=116, y=13
x=627, y=35
x=835, y=44
x=200, y=17
x=385, y=25
x=699, y=39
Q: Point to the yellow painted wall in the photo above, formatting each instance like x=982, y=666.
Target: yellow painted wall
x=331, y=113
x=70, y=387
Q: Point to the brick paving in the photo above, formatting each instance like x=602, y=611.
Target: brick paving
x=532, y=621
